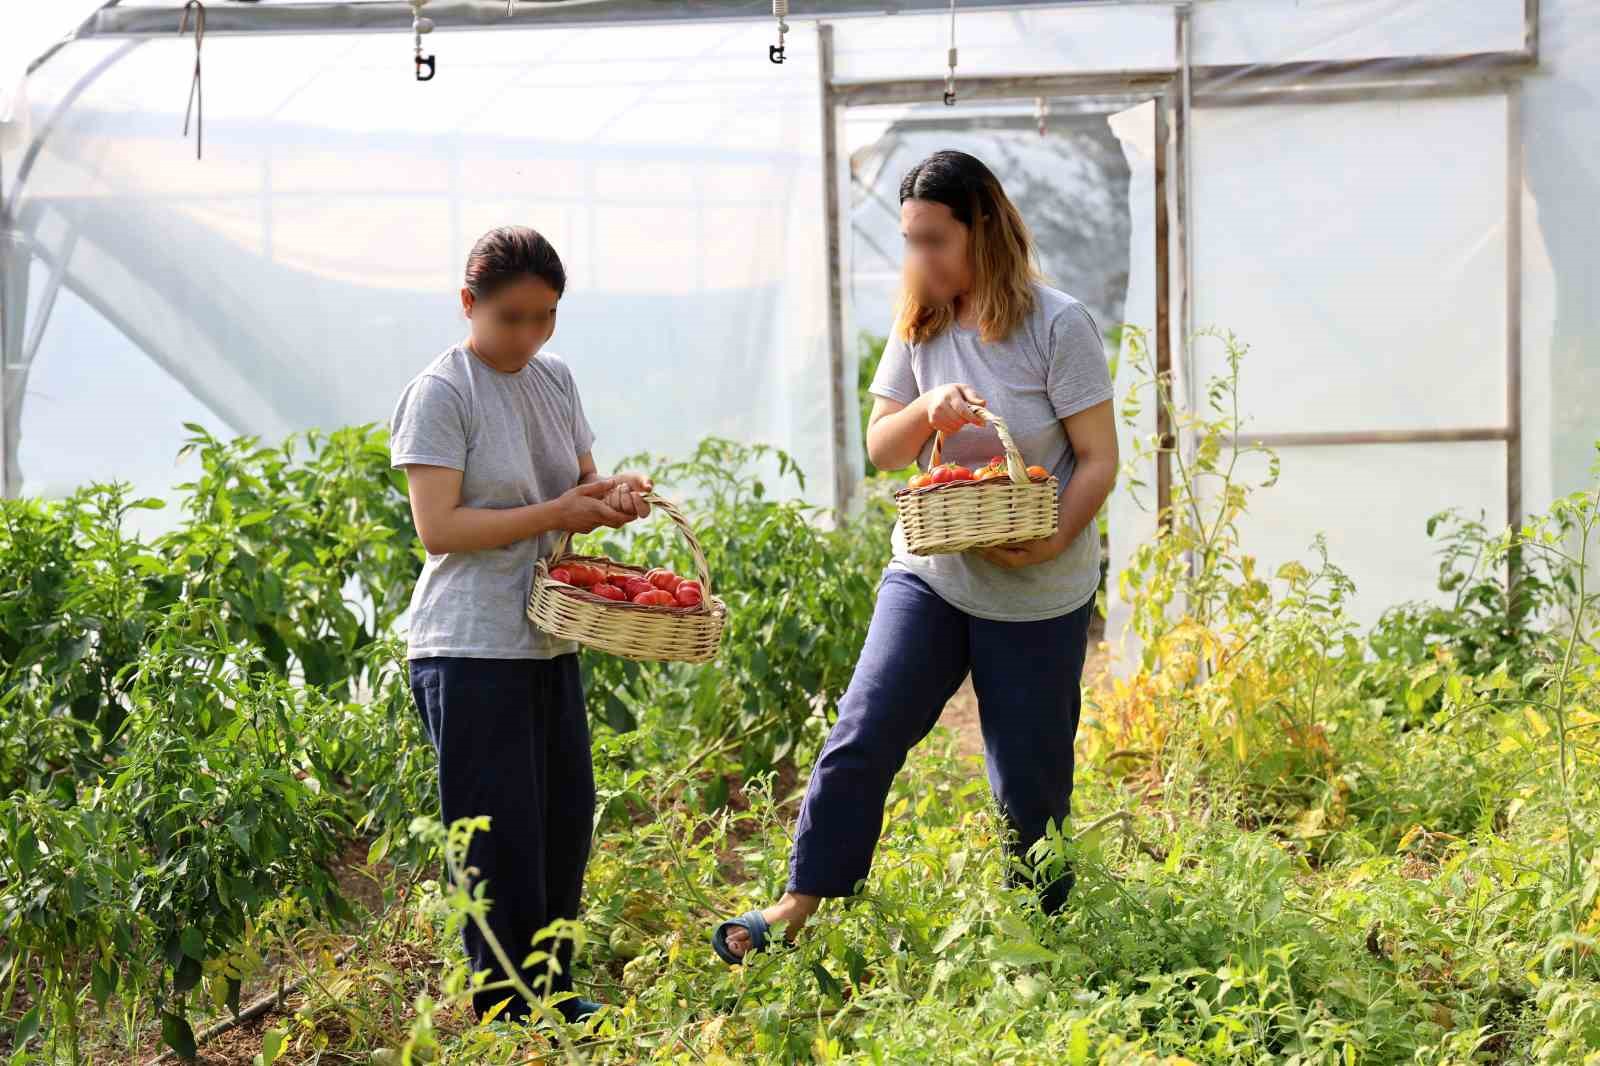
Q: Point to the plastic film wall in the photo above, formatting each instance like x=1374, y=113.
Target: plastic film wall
x=308, y=265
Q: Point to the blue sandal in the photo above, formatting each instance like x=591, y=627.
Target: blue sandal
x=753, y=923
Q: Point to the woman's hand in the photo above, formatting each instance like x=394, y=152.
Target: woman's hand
x=589, y=506
x=1027, y=553
x=950, y=407
x=628, y=495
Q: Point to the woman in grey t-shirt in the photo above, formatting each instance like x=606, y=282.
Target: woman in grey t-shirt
x=975, y=327
x=495, y=446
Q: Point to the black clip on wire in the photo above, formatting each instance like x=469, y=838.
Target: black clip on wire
x=775, y=53
x=424, y=61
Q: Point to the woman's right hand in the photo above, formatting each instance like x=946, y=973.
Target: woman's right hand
x=950, y=407
x=585, y=508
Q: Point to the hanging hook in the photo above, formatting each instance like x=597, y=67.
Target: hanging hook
x=420, y=26
x=196, y=97
x=950, y=78
x=780, y=11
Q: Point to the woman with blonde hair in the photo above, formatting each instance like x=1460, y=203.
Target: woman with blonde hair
x=975, y=327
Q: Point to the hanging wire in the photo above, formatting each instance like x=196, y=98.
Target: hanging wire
x=420, y=26
x=780, y=11
x=1041, y=108
x=950, y=79
x=197, y=101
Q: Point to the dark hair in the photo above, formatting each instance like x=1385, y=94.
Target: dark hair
x=959, y=181
x=1004, y=264
x=507, y=253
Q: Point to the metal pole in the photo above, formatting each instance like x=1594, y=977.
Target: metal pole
x=1513, y=323
x=1163, y=324
x=844, y=466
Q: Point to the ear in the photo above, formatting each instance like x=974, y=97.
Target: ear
x=467, y=302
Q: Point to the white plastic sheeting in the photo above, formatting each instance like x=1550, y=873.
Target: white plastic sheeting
x=309, y=264
x=1360, y=248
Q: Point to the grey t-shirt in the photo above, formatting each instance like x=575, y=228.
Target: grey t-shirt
x=1052, y=366
x=516, y=439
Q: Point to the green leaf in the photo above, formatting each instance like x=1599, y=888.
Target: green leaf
x=177, y=1035
x=1021, y=953
x=27, y=1027
x=187, y=975
x=957, y=930
x=827, y=982
x=193, y=943
x=103, y=982
x=379, y=849
x=272, y=1046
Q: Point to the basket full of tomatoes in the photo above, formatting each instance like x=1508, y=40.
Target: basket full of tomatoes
x=952, y=508
x=628, y=610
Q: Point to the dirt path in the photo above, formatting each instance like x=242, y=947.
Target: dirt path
x=961, y=713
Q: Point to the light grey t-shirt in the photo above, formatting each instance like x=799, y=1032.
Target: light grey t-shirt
x=1052, y=366
x=516, y=439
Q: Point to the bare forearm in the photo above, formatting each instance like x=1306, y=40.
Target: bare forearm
x=1091, y=482
x=895, y=440
x=466, y=529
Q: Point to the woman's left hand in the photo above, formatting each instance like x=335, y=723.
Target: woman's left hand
x=1027, y=553
x=628, y=495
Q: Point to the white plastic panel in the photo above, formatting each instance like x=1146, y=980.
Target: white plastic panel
x=1372, y=504
x=309, y=264
x=1359, y=248
x=997, y=43
x=1275, y=31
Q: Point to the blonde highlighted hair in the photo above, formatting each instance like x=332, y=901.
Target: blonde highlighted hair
x=1004, y=263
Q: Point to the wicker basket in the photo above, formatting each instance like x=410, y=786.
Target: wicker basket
x=681, y=634
x=960, y=515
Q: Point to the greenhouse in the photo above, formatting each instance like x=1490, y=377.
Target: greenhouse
x=1344, y=258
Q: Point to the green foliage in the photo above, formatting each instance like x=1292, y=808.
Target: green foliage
x=799, y=597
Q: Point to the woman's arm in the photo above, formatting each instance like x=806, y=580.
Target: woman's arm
x=445, y=525
x=1093, y=433
x=896, y=431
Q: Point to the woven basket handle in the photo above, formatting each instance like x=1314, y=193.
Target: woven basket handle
x=671, y=511
x=1014, y=464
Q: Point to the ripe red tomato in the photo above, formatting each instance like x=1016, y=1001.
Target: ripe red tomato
x=663, y=578
x=690, y=594
x=561, y=574
x=584, y=575
x=608, y=591
x=635, y=585
x=655, y=598
x=960, y=473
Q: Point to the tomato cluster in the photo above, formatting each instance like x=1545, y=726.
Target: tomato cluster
x=658, y=588
x=945, y=473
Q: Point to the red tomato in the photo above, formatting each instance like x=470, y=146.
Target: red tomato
x=959, y=473
x=584, y=575
x=608, y=591
x=635, y=585
x=920, y=481
x=655, y=598
x=689, y=594
x=561, y=574
x=663, y=578
x=939, y=475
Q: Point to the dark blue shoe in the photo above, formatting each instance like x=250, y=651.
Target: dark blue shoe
x=750, y=921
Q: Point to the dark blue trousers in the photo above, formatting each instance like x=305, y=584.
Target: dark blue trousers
x=513, y=743
x=918, y=651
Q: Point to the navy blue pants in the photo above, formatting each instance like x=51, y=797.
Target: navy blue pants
x=918, y=651
x=513, y=743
